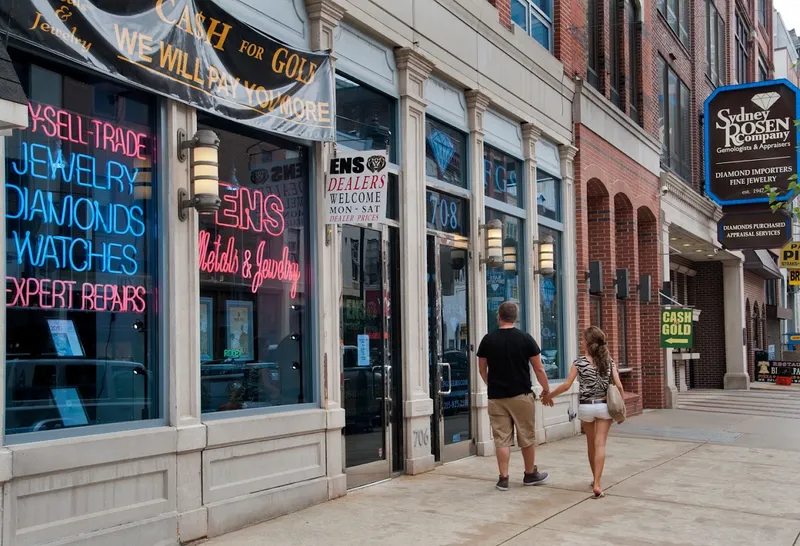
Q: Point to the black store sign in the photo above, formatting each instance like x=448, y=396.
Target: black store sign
x=768, y=372
x=754, y=230
x=751, y=141
x=194, y=51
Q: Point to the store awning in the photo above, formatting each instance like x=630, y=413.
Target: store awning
x=762, y=264
x=13, y=102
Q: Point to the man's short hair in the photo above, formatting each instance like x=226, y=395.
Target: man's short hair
x=507, y=312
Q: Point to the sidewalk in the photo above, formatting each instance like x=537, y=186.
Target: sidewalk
x=658, y=491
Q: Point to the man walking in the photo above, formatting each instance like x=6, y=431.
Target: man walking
x=504, y=357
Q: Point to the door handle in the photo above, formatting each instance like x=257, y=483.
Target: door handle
x=376, y=384
x=449, y=378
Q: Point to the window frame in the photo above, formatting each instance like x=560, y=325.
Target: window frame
x=532, y=10
x=593, y=41
x=679, y=159
x=632, y=12
x=27, y=58
x=616, y=39
x=742, y=59
x=715, y=35
x=676, y=14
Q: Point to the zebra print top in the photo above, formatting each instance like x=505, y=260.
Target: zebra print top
x=592, y=385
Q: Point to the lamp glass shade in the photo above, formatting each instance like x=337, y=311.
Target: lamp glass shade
x=143, y=192
x=546, y=256
x=206, y=187
x=510, y=258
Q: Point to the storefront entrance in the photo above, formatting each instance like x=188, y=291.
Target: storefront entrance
x=370, y=380
x=448, y=332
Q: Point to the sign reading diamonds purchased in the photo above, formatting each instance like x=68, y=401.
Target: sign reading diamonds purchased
x=754, y=230
x=355, y=188
x=751, y=141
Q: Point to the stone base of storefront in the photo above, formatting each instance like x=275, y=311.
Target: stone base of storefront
x=737, y=381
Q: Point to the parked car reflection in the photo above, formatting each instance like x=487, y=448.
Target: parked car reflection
x=55, y=393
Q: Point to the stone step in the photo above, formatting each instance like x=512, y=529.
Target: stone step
x=738, y=411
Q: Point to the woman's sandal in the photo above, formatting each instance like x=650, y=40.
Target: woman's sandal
x=599, y=495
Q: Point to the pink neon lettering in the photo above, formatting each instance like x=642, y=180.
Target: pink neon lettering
x=58, y=294
x=217, y=260
x=251, y=210
x=283, y=270
x=69, y=126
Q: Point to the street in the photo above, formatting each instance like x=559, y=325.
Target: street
x=673, y=477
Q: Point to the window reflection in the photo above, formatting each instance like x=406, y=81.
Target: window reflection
x=548, y=196
x=445, y=157
x=502, y=177
x=551, y=308
x=254, y=277
x=503, y=282
x=81, y=257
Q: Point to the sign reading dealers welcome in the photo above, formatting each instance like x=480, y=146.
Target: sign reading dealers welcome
x=751, y=141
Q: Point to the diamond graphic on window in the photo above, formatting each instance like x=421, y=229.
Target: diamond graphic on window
x=443, y=149
x=766, y=100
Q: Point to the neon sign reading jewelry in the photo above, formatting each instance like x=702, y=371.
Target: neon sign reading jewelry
x=254, y=211
x=77, y=230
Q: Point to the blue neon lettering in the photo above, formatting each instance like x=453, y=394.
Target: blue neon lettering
x=38, y=161
x=61, y=250
x=500, y=179
x=487, y=173
x=117, y=171
x=22, y=193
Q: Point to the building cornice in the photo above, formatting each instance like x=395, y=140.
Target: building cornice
x=681, y=191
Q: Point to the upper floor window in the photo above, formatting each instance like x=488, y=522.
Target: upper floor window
x=616, y=31
x=763, y=71
x=536, y=18
x=677, y=14
x=675, y=121
x=715, y=44
x=742, y=53
x=762, y=13
x=593, y=40
x=632, y=14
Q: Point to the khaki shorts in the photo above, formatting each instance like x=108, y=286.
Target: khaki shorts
x=507, y=414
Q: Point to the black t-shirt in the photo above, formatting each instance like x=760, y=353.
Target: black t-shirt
x=508, y=352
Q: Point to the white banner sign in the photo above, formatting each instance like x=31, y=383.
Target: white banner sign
x=355, y=188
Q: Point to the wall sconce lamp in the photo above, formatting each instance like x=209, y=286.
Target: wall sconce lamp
x=510, y=255
x=494, y=243
x=546, y=256
x=204, y=170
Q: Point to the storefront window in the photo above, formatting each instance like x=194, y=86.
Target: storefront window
x=548, y=198
x=254, y=297
x=551, y=307
x=502, y=177
x=82, y=202
x=445, y=153
x=366, y=120
x=503, y=283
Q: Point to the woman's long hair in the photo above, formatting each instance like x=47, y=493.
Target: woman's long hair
x=596, y=346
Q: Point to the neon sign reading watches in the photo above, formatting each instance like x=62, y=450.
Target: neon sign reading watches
x=252, y=211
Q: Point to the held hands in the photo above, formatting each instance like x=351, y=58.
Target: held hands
x=547, y=399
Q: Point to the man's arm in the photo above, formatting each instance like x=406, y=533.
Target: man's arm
x=483, y=368
x=541, y=375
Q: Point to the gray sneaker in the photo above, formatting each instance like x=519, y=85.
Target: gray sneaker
x=502, y=483
x=535, y=477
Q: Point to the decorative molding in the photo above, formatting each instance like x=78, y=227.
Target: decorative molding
x=530, y=136
x=413, y=70
x=477, y=104
x=505, y=132
x=548, y=157
x=323, y=18
x=567, y=154
x=285, y=19
x=366, y=59
x=688, y=196
x=446, y=103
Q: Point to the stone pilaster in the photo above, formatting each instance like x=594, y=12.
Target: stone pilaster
x=323, y=18
x=736, y=376
x=477, y=103
x=413, y=69
x=670, y=388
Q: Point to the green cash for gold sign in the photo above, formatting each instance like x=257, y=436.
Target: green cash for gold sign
x=677, y=328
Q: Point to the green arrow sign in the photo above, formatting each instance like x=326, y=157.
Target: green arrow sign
x=677, y=328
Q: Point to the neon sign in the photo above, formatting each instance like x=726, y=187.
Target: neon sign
x=78, y=232
x=255, y=211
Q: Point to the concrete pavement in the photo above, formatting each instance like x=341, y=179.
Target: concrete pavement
x=659, y=491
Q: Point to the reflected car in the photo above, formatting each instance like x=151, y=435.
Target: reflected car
x=56, y=393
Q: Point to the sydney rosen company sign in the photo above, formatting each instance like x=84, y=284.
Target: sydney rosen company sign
x=751, y=141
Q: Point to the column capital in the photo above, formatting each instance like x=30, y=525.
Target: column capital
x=567, y=152
x=531, y=133
x=323, y=18
x=414, y=69
x=477, y=104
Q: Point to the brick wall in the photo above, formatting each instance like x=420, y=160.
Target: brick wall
x=617, y=219
x=504, y=10
x=709, y=335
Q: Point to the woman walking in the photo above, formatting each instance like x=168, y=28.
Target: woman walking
x=594, y=370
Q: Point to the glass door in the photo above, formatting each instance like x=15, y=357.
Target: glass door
x=448, y=330
x=364, y=358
